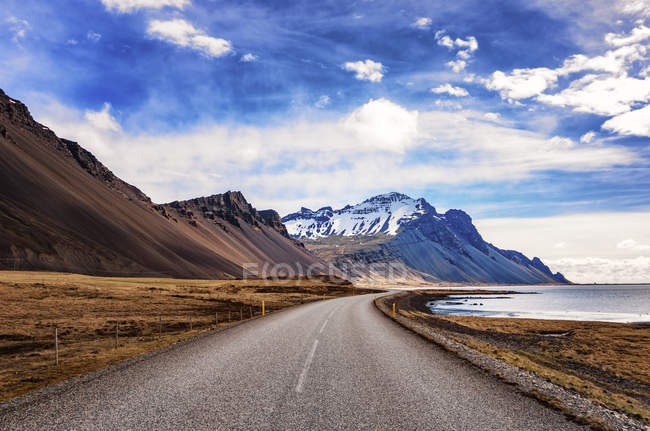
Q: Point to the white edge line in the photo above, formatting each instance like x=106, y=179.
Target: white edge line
x=305, y=368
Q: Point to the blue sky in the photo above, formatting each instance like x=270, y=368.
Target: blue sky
x=535, y=109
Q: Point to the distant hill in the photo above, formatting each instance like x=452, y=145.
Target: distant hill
x=63, y=210
x=394, y=228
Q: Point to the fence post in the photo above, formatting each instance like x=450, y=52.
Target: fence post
x=56, y=344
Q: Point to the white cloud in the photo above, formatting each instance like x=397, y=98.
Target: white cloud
x=603, y=95
x=72, y=42
x=465, y=49
x=471, y=43
x=384, y=125
x=645, y=71
x=464, y=54
x=602, y=84
x=370, y=149
x=422, y=23
x=637, y=35
x=526, y=83
x=451, y=90
x=469, y=77
x=634, y=7
x=18, y=27
x=93, y=36
x=126, y=6
x=367, y=70
x=247, y=58
x=442, y=39
x=567, y=244
x=493, y=116
x=635, y=122
x=587, y=137
x=180, y=32
x=457, y=65
x=322, y=101
x=102, y=120
x=632, y=245
x=521, y=83
x=448, y=104
x=598, y=270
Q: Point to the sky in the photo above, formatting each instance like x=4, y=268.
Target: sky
x=532, y=116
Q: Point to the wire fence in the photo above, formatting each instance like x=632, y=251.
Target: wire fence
x=68, y=339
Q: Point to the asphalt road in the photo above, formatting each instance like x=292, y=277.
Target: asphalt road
x=336, y=364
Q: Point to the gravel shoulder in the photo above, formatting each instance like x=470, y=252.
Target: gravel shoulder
x=509, y=349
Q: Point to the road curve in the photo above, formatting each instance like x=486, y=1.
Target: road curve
x=336, y=364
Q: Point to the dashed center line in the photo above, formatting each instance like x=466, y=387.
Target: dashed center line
x=323, y=327
x=305, y=368
x=310, y=357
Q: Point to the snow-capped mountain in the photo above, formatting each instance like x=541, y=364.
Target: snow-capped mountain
x=433, y=246
x=380, y=214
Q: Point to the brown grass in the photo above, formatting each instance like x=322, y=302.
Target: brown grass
x=606, y=362
x=87, y=309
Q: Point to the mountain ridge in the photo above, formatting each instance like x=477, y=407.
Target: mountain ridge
x=61, y=209
x=435, y=246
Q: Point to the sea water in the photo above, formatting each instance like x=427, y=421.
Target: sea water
x=604, y=303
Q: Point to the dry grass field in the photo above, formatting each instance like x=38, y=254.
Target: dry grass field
x=606, y=362
x=149, y=313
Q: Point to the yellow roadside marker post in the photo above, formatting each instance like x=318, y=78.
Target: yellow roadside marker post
x=393, y=310
x=262, y=308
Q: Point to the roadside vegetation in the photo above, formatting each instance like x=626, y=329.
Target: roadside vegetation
x=146, y=313
x=605, y=362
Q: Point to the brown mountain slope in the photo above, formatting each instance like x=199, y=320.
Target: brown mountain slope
x=62, y=210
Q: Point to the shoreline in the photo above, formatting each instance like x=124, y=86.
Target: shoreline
x=471, y=298
x=602, y=364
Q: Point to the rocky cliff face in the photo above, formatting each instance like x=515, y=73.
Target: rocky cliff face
x=231, y=207
x=434, y=246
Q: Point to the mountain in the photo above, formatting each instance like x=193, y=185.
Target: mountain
x=62, y=210
x=410, y=234
x=379, y=214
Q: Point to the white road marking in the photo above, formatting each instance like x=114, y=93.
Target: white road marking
x=305, y=368
x=323, y=327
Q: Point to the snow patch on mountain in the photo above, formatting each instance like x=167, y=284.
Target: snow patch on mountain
x=380, y=214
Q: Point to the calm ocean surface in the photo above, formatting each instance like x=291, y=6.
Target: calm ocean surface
x=605, y=303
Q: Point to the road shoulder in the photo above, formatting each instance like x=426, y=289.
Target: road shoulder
x=571, y=404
